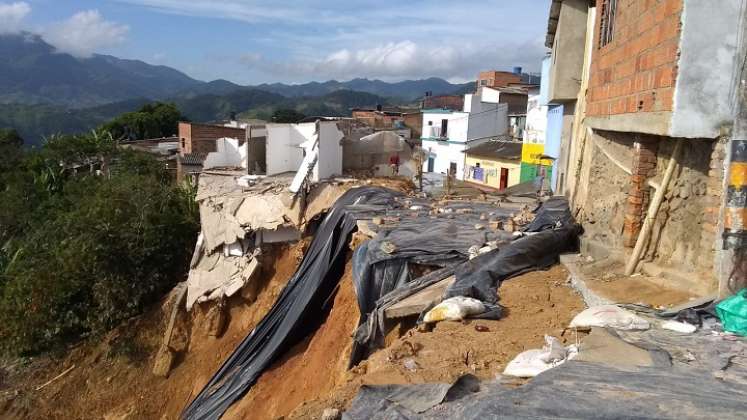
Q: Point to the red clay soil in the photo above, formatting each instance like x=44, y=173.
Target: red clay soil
x=311, y=377
x=113, y=380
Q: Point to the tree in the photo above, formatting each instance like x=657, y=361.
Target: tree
x=150, y=121
x=9, y=137
x=286, y=115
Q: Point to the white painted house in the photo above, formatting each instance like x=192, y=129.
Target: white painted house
x=446, y=134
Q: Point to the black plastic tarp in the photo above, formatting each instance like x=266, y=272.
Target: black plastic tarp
x=298, y=309
x=574, y=390
x=380, y=266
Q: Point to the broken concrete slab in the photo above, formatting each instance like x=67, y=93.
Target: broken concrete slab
x=604, y=348
x=418, y=302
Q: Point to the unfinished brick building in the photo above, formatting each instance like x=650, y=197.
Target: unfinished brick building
x=644, y=76
x=200, y=138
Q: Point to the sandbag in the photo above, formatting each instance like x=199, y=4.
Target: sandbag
x=531, y=363
x=454, y=309
x=609, y=316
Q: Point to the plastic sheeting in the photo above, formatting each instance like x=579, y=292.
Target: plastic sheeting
x=574, y=390
x=381, y=266
x=297, y=310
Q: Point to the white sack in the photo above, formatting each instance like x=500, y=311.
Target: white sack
x=454, y=309
x=533, y=362
x=609, y=316
x=682, y=327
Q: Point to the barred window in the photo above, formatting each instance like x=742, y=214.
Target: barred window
x=607, y=23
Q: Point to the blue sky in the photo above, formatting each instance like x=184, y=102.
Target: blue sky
x=256, y=41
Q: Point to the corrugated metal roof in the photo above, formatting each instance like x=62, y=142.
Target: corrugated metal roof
x=497, y=150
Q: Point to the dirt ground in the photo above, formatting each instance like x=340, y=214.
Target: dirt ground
x=313, y=377
x=607, y=281
x=112, y=378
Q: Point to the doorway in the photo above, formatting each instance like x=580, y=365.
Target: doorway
x=504, y=178
x=452, y=168
x=431, y=164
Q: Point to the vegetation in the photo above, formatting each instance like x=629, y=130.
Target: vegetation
x=150, y=121
x=286, y=115
x=89, y=236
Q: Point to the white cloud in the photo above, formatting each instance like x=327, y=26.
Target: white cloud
x=12, y=16
x=84, y=33
x=405, y=59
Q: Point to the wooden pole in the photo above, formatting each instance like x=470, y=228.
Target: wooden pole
x=653, y=210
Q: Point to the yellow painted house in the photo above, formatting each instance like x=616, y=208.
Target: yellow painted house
x=496, y=164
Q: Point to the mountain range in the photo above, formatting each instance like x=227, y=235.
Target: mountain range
x=33, y=73
x=43, y=91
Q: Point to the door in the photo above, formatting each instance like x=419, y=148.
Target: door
x=452, y=168
x=504, y=178
x=431, y=164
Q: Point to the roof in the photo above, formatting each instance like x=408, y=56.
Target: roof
x=192, y=158
x=497, y=150
x=552, y=22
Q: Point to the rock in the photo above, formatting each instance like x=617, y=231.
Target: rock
x=685, y=191
x=377, y=221
x=331, y=414
x=410, y=364
x=215, y=320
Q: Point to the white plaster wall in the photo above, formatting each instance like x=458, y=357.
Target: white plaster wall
x=443, y=153
x=489, y=95
x=330, y=151
x=228, y=154
x=284, y=153
x=487, y=120
x=457, y=129
x=536, y=125
x=707, y=68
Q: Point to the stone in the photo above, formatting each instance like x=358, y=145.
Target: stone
x=330, y=413
x=215, y=320
x=162, y=364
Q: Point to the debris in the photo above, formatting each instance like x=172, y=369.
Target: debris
x=388, y=247
x=533, y=362
x=733, y=313
x=410, y=364
x=609, y=316
x=682, y=327
x=163, y=362
x=65, y=372
x=331, y=414
x=454, y=309
x=481, y=328
x=215, y=320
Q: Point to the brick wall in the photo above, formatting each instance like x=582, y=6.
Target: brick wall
x=644, y=167
x=200, y=138
x=637, y=71
x=497, y=78
x=452, y=102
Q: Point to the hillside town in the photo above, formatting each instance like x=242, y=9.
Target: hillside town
x=566, y=243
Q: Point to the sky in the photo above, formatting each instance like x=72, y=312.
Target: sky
x=295, y=41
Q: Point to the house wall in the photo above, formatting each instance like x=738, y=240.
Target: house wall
x=443, y=153
x=497, y=78
x=284, y=153
x=200, y=138
x=457, y=125
x=708, y=67
x=635, y=74
x=492, y=170
x=568, y=51
x=330, y=148
x=414, y=121
x=486, y=120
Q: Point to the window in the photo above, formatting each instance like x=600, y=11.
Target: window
x=444, y=128
x=607, y=23
x=483, y=82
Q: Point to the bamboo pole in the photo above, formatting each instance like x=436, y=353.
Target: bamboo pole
x=653, y=210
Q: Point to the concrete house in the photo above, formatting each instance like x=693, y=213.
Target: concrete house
x=496, y=164
x=446, y=133
x=648, y=89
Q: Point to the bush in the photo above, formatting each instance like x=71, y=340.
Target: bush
x=81, y=258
